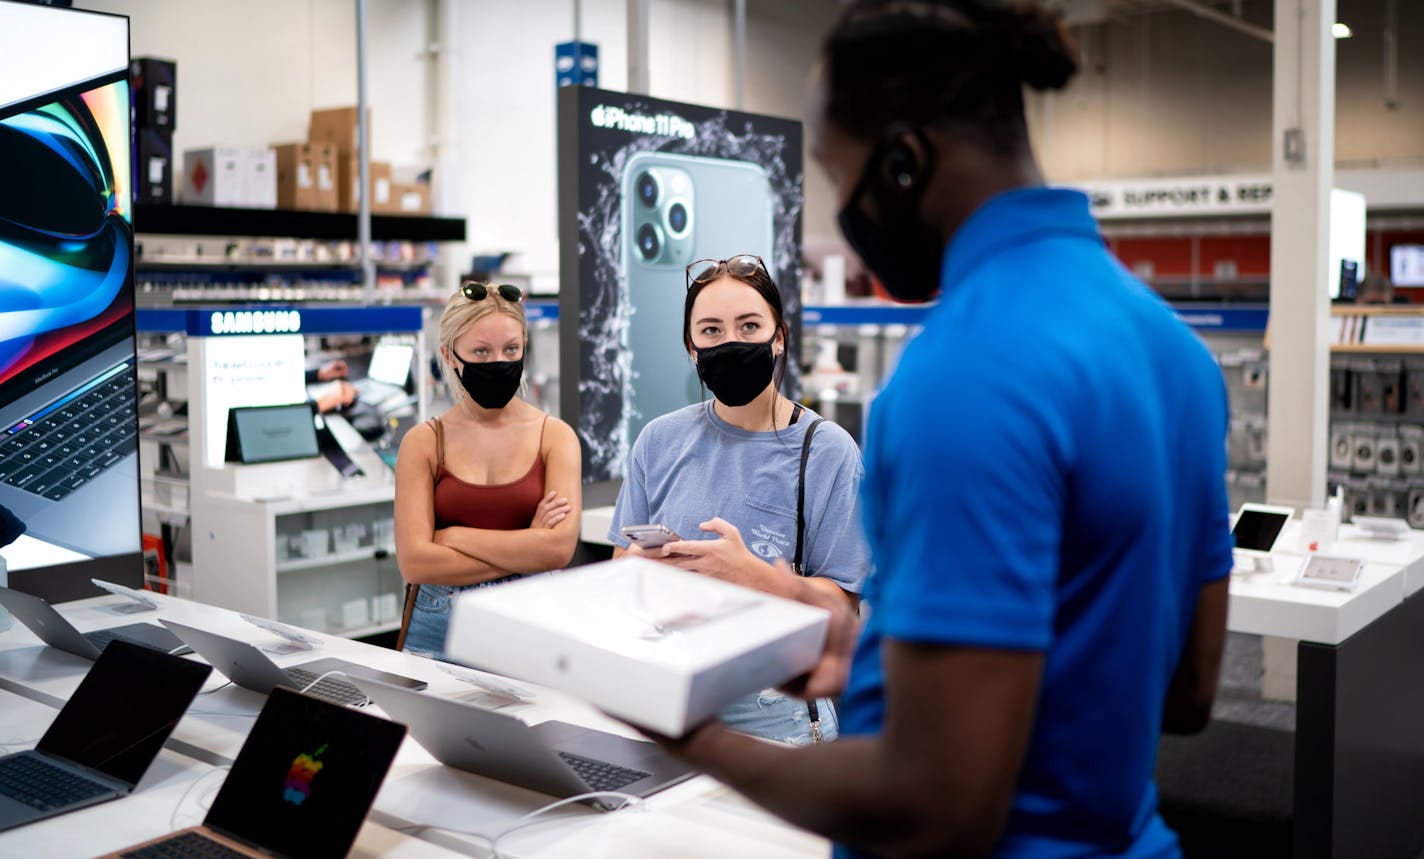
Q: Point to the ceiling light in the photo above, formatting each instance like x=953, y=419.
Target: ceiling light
x=1341, y=31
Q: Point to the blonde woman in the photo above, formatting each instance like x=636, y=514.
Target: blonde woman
x=491, y=488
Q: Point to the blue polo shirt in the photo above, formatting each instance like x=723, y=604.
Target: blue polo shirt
x=1045, y=472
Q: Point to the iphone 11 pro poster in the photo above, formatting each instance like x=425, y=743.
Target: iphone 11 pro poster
x=646, y=187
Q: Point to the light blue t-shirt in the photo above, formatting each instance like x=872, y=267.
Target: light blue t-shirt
x=690, y=465
x=1045, y=472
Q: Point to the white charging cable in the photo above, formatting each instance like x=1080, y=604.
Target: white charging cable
x=173, y=819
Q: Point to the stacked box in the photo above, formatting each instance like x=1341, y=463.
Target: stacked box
x=154, y=85
x=306, y=176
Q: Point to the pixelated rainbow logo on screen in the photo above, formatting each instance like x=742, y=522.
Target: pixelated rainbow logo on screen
x=299, y=777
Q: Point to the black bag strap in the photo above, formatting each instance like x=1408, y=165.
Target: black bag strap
x=796, y=565
x=812, y=711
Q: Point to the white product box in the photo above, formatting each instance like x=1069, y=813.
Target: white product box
x=659, y=647
x=237, y=176
x=216, y=176
x=261, y=179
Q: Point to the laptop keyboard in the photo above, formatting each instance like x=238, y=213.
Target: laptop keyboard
x=189, y=845
x=335, y=691
x=73, y=444
x=42, y=785
x=601, y=775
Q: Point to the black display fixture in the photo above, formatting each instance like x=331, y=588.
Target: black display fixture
x=286, y=223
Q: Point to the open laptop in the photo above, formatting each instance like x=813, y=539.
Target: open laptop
x=388, y=372
x=102, y=742
x=250, y=668
x=51, y=628
x=68, y=425
x=556, y=758
x=300, y=787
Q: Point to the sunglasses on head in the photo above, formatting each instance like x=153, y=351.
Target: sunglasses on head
x=480, y=291
x=741, y=265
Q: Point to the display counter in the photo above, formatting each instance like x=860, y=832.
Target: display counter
x=423, y=809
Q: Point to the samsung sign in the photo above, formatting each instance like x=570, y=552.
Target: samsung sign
x=255, y=322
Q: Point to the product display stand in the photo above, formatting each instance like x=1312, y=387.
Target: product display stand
x=289, y=540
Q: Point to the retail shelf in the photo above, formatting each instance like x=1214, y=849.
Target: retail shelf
x=285, y=223
x=292, y=565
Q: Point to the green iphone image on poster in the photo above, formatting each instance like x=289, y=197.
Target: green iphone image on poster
x=678, y=209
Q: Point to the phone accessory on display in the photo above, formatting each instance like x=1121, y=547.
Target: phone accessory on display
x=1387, y=456
x=1341, y=454
x=1415, y=513
x=139, y=602
x=1364, y=451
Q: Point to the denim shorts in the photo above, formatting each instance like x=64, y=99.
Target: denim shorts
x=774, y=715
x=430, y=620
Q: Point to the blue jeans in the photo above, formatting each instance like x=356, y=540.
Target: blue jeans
x=774, y=715
x=430, y=620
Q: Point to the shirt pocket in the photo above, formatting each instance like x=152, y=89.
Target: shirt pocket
x=770, y=530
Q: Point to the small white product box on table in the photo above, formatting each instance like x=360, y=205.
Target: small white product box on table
x=662, y=648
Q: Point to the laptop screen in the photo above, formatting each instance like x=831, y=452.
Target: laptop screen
x=390, y=362
x=305, y=778
x=66, y=231
x=68, y=416
x=124, y=710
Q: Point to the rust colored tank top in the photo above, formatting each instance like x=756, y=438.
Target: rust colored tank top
x=496, y=507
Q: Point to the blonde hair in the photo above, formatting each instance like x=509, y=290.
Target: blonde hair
x=461, y=313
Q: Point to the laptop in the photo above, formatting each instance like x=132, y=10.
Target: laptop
x=556, y=758
x=51, y=628
x=250, y=668
x=105, y=738
x=300, y=787
x=68, y=424
x=387, y=374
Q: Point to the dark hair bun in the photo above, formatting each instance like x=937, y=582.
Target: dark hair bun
x=1040, y=47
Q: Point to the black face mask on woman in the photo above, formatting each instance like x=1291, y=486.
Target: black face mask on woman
x=492, y=383
x=902, y=251
x=736, y=372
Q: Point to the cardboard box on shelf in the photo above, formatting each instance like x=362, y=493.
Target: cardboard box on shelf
x=324, y=169
x=337, y=125
x=305, y=176
x=662, y=648
x=411, y=198
x=348, y=183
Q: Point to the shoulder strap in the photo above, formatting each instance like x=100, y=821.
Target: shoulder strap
x=796, y=565
x=439, y=443
x=542, y=424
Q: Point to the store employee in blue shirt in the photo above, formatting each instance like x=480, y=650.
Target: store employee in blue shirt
x=1044, y=479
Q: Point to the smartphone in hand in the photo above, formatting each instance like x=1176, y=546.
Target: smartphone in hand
x=649, y=536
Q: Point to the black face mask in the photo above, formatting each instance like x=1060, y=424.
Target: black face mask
x=492, y=383
x=901, y=250
x=736, y=372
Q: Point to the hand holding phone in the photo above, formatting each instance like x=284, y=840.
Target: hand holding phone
x=649, y=536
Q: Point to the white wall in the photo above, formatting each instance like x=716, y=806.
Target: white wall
x=250, y=73
x=1171, y=93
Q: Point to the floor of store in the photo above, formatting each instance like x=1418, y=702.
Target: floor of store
x=1228, y=790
